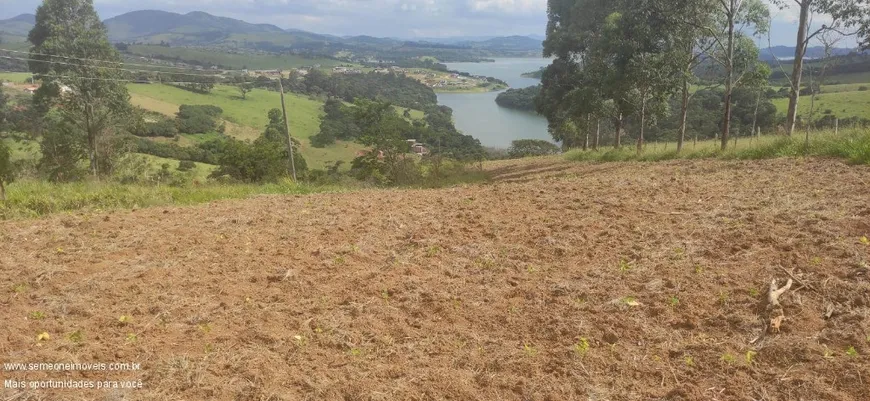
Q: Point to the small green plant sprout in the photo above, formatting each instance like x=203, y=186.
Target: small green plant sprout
x=673, y=301
x=204, y=327
x=59, y=250
x=355, y=248
x=530, y=350
x=630, y=301
x=679, y=253
x=338, y=260
x=124, y=320
x=852, y=352
x=624, y=265
x=385, y=295
x=432, y=251
x=132, y=338
x=727, y=358
x=828, y=354
x=44, y=336
x=689, y=360
x=209, y=348
x=36, y=315
x=300, y=340
x=750, y=356
x=76, y=336
x=19, y=288
x=531, y=269
x=723, y=297
x=753, y=292
x=816, y=261
x=699, y=269
x=355, y=352
x=582, y=346
x=864, y=240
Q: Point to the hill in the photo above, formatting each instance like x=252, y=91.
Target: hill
x=787, y=53
x=18, y=26
x=247, y=118
x=196, y=27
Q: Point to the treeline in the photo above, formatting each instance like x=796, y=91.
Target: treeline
x=436, y=130
x=638, y=60
x=519, y=99
x=397, y=89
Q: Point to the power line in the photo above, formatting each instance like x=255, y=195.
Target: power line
x=110, y=68
x=121, y=80
x=107, y=61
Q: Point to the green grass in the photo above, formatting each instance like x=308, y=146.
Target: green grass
x=853, y=146
x=252, y=115
x=22, y=149
x=28, y=199
x=842, y=104
x=15, y=77
x=199, y=173
x=234, y=61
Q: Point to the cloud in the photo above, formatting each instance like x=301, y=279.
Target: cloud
x=401, y=18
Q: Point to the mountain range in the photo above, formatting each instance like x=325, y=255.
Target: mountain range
x=203, y=29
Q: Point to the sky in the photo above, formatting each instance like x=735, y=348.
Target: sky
x=384, y=18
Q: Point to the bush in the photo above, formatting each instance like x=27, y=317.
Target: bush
x=164, y=128
x=532, y=147
x=63, y=147
x=186, y=165
x=863, y=88
x=198, y=119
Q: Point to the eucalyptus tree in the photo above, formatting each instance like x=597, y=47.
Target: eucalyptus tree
x=78, y=67
x=841, y=14
x=732, y=49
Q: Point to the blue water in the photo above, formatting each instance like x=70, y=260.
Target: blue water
x=478, y=115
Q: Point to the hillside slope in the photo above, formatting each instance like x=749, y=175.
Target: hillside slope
x=557, y=281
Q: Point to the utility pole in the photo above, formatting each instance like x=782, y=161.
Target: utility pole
x=287, y=125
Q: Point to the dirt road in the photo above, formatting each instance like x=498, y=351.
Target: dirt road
x=557, y=281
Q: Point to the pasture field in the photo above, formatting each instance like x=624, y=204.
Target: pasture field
x=843, y=104
x=246, y=119
x=556, y=280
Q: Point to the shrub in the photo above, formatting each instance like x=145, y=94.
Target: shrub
x=198, y=119
x=532, y=147
x=186, y=165
x=863, y=88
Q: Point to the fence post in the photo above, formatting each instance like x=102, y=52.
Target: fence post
x=836, y=126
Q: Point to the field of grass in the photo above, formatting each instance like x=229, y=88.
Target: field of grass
x=247, y=118
x=852, y=145
x=842, y=104
x=28, y=198
x=199, y=173
x=230, y=60
x=15, y=77
x=22, y=149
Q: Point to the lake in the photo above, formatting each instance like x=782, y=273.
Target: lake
x=478, y=115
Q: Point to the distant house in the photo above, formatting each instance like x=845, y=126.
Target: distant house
x=31, y=89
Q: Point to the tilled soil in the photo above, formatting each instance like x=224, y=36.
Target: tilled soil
x=556, y=281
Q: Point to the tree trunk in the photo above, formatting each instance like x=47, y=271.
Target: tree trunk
x=642, y=123
x=586, y=129
x=729, y=77
x=684, y=110
x=755, y=116
x=618, y=140
x=92, y=153
x=597, y=135
x=797, y=71
x=2, y=192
